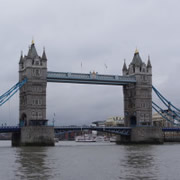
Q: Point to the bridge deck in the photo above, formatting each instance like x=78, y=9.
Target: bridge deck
x=9, y=129
x=90, y=128
x=115, y=130
x=57, y=129
x=92, y=78
x=175, y=129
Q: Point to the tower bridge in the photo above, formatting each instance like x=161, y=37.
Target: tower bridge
x=136, y=80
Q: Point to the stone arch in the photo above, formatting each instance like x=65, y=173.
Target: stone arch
x=133, y=121
x=23, y=120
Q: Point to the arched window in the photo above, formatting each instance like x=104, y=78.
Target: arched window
x=133, y=121
x=33, y=115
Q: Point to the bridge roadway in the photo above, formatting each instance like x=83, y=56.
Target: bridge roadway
x=91, y=78
x=114, y=130
x=59, y=129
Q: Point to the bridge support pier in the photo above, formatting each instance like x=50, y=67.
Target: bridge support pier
x=34, y=136
x=143, y=135
x=16, y=139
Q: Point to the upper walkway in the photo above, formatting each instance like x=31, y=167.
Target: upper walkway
x=91, y=78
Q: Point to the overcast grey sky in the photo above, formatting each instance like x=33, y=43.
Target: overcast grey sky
x=94, y=32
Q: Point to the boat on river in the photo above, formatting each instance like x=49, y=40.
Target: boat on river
x=102, y=139
x=85, y=138
x=113, y=139
x=56, y=140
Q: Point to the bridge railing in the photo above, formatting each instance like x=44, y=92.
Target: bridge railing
x=113, y=130
x=91, y=78
x=9, y=129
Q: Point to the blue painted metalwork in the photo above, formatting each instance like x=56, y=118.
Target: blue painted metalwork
x=92, y=78
x=174, y=114
x=7, y=95
x=114, y=130
x=164, y=100
x=61, y=129
x=161, y=114
x=126, y=131
x=9, y=129
x=168, y=112
x=170, y=129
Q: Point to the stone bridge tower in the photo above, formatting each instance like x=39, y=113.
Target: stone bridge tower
x=138, y=97
x=32, y=106
x=33, y=93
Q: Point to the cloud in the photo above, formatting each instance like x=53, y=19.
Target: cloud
x=94, y=33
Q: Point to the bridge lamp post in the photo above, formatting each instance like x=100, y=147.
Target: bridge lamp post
x=53, y=121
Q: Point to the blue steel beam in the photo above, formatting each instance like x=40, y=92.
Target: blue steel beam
x=173, y=129
x=114, y=130
x=164, y=100
x=90, y=128
x=9, y=129
x=6, y=96
x=92, y=78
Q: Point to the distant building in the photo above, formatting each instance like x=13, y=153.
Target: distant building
x=99, y=123
x=112, y=121
x=115, y=121
x=159, y=121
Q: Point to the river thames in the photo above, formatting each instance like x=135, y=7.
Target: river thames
x=90, y=161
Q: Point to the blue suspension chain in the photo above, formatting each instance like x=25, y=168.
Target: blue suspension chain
x=164, y=100
x=159, y=112
x=6, y=96
x=167, y=103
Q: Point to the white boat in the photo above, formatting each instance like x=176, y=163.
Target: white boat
x=113, y=139
x=56, y=140
x=102, y=139
x=85, y=138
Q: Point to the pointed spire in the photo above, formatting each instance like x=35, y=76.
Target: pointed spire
x=32, y=41
x=149, y=62
x=44, y=54
x=29, y=52
x=136, y=51
x=21, y=58
x=32, y=53
x=136, y=59
x=124, y=66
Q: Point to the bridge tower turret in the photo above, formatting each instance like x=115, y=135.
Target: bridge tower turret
x=33, y=94
x=138, y=97
x=124, y=70
x=32, y=106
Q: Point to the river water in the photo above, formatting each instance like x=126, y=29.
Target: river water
x=90, y=161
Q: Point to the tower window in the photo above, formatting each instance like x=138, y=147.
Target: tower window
x=37, y=101
x=37, y=63
x=33, y=115
x=39, y=115
x=36, y=72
